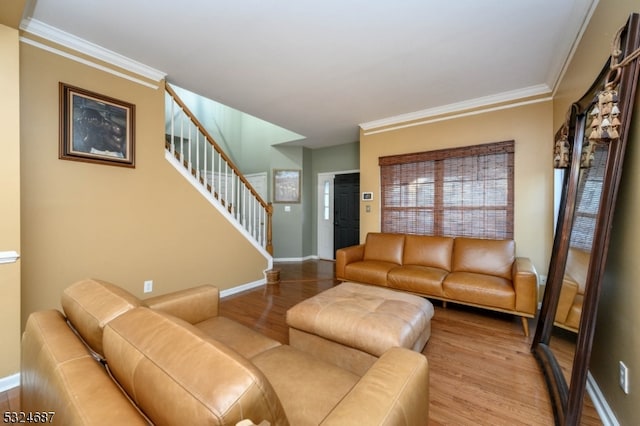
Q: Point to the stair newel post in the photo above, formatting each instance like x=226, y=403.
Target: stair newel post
x=269, y=211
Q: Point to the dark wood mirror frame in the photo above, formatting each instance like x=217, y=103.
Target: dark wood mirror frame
x=567, y=399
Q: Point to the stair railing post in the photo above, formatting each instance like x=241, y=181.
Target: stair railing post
x=269, y=246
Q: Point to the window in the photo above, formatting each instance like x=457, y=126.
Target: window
x=452, y=192
x=326, y=200
x=588, y=200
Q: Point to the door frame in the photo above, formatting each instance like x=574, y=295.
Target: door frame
x=324, y=239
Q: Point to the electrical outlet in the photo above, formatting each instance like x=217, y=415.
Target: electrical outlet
x=148, y=286
x=624, y=377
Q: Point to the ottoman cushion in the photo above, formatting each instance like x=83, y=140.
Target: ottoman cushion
x=371, y=319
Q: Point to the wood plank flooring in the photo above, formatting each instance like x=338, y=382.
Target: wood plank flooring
x=10, y=400
x=481, y=368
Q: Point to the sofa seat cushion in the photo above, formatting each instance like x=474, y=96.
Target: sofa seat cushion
x=480, y=289
x=369, y=271
x=417, y=279
x=307, y=387
x=242, y=339
x=168, y=368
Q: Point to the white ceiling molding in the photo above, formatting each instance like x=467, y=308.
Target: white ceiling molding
x=374, y=131
x=88, y=63
x=483, y=103
x=40, y=29
x=561, y=69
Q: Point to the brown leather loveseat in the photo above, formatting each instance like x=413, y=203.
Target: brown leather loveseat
x=112, y=359
x=471, y=271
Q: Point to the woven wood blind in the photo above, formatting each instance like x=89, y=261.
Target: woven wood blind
x=588, y=200
x=452, y=192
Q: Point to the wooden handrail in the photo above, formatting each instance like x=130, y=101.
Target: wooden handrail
x=268, y=207
x=215, y=145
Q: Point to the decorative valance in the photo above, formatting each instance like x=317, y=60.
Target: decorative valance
x=604, y=116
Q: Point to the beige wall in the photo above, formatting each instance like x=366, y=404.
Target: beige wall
x=118, y=224
x=531, y=128
x=10, y=204
x=618, y=320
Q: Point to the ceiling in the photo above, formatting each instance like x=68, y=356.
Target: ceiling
x=324, y=68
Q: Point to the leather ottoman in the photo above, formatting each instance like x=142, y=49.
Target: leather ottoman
x=352, y=324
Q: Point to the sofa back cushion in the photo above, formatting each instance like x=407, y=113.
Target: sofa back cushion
x=384, y=247
x=427, y=250
x=90, y=304
x=58, y=373
x=178, y=375
x=490, y=257
x=578, y=266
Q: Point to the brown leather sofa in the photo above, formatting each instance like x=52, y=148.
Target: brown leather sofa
x=469, y=271
x=572, y=291
x=114, y=359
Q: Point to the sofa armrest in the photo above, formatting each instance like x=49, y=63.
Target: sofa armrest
x=525, y=284
x=394, y=391
x=193, y=305
x=345, y=256
x=568, y=294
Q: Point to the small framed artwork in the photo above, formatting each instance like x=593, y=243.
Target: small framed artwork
x=286, y=186
x=367, y=196
x=95, y=128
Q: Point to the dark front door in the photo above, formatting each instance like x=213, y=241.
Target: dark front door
x=346, y=224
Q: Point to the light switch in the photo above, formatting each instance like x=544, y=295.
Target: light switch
x=287, y=209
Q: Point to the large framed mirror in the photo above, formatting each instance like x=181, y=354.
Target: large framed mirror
x=589, y=151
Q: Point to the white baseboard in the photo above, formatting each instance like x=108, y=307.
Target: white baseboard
x=600, y=403
x=9, y=382
x=295, y=259
x=241, y=288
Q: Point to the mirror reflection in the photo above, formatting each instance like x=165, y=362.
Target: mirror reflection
x=582, y=232
x=569, y=310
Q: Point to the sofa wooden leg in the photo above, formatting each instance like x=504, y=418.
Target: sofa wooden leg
x=444, y=304
x=525, y=326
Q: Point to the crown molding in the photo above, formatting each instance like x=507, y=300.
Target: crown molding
x=62, y=38
x=485, y=102
x=108, y=69
x=558, y=71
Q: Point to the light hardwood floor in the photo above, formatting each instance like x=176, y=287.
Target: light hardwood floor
x=482, y=371
x=10, y=400
x=481, y=368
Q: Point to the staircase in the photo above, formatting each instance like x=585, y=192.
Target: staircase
x=195, y=154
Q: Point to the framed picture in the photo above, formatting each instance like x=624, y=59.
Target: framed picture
x=95, y=128
x=286, y=186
